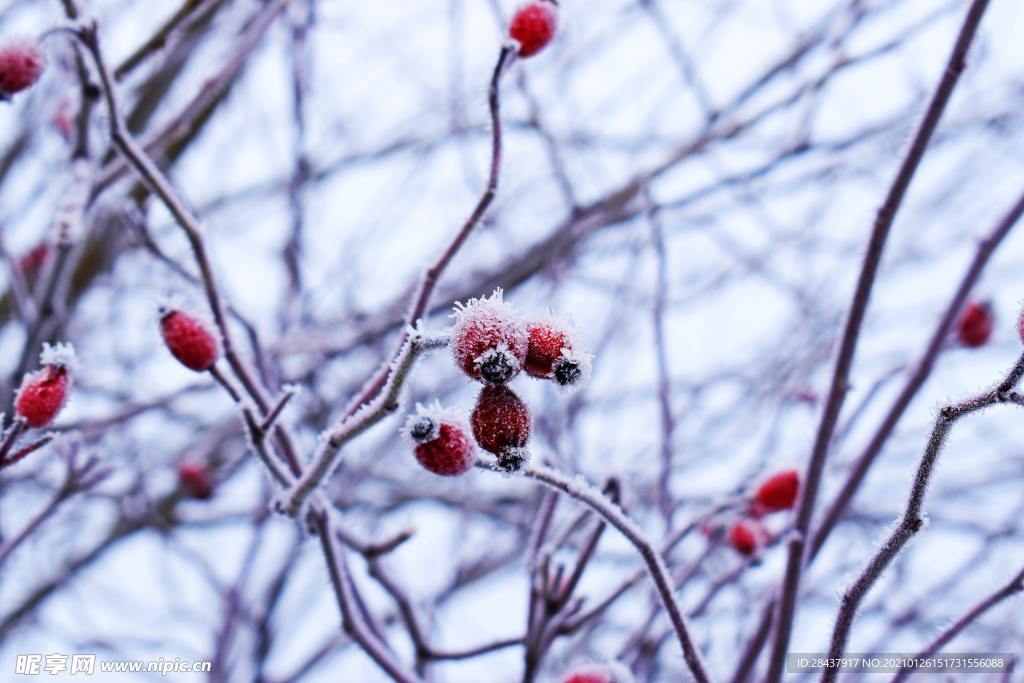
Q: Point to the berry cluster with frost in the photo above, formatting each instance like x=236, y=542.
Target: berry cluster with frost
x=442, y=442
x=43, y=393
x=21, y=64
x=534, y=26
x=612, y=672
x=492, y=342
x=190, y=338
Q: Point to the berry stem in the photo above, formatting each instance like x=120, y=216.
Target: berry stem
x=144, y=166
x=614, y=515
x=421, y=297
x=15, y=431
x=46, y=308
x=797, y=551
x=912, y=520
x=28, y=450
x=350, y=426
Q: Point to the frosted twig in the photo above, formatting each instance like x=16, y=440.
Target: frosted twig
x=912, y=520
x=613, y=514
x=797, y=551
x=421, y=297
x=349, y=427
x=352, y=620
x=1016, y=585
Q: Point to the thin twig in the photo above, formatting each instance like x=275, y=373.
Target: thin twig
x=1016, y=585
x=600, y=504
x=797, y=551
x=912, y=520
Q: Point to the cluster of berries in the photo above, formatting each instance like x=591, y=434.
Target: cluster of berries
x=21, y=64
x=491, y=342
x=748, y=535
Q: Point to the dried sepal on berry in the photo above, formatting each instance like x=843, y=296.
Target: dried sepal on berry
x=778, y=492
x=44, y=393
x=533, y=26
x=489, y=339
x=21, y=64
x=441, y=440
x=554, y=352
x=974, y=327
x=190, y=338
x=502, y=425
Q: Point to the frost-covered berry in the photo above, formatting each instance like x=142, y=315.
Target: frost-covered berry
x=442, y=442
x=745, y=536
x=599, y=673
x=21, y=65
x=190, y=339
x=502, y=426
x=975, y=324
x=489, y=339
x=554, y=352
x=778, y=492
x=534, y=25
x=196, y=478
x=44, y=392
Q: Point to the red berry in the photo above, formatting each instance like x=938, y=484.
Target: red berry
x=975, y=324
x=489, y=339
x=553, y=353
x=32, y=261
x=778, y=492
x=196, y=479
x=534, y=25
x=502, y=425
x=21, y=65
x=745, y=537
x=44, y=392
x=442, y=441
x=191, y=340
x=599, y=673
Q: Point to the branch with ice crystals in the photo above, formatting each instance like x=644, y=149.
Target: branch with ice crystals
x=913, y=519
x=348, y=427
x=583, y=491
